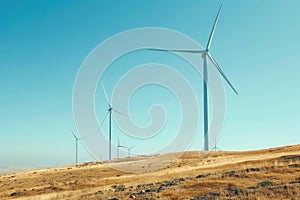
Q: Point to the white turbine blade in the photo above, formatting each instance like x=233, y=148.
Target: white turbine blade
x=102, y=122
x=104, y=119
x=120, y=112
x=221, y=72
x=132, y=146
x=118, y=141
x=179, y=50
x=73, y=134
x=213, y=29
x=106, y=96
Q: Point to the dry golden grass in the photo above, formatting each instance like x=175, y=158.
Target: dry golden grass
x=265, y=174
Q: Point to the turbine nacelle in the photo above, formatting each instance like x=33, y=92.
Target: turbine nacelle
x=204, y=53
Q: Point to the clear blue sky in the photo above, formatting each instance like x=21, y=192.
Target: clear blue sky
x=43, y=43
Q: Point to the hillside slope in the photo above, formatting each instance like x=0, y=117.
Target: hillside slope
x=264, y=174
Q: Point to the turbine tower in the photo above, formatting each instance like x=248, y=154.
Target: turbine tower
x=109, y=113
x=205, y=54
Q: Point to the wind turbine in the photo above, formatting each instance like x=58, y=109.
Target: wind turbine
x=109, y=113
x=205, y=54
x=125, y=147
x=129, y=148
x=76, y=143
x=118, y=155
x=215, y=147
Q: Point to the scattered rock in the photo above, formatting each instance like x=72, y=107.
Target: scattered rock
x=160, y=188
x=214, y=194
x=150, y=185
x=13, y=194
x=142, y=192
x=265, y=184
x=200, y=176
x=294, y=166
x=252, y=170
x=54, y=188
x=99, y=192
x=132, y=196
x=138, y=187
x=203, y=197
x=230, y=174
x=290, y=158
x=233, y=191
x=118, y=188
x=169, y=183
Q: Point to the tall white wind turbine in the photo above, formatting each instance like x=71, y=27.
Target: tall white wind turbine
x=205, y=54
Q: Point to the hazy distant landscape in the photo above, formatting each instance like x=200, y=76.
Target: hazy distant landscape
x=264, y=174
x=9, y=170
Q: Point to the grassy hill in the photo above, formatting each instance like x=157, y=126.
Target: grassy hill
x=264, y=174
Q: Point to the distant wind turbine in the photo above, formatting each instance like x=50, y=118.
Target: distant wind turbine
x=215, y=147
x=109, y=113
x=119, y=145
x=76, y=143
x=125, y=147
x=205, y=55
x=128, y=148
